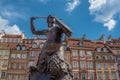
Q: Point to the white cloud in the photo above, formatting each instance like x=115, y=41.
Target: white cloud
x=110, y=24
x=105, y=11
x=72, y=5
x=11, y=14
x=96, y=5
x=4, y=25
x=12, y=11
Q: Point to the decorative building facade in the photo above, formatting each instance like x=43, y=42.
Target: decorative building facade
x=4, y=56
x=89, y=60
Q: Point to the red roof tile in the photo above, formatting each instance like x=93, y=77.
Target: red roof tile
x=11, y=36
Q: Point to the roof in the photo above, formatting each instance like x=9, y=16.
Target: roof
x=11, y=36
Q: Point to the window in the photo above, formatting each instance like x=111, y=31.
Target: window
x=22, y=66
x=6, y=53
x=21, y=77
x=13, y=56
x=74, y=53
x=112, y=67
x=23, y=47
x=5, y=39
x=32, y=53
x=17, y=40
x=100, y=76
x=105, y=66
x=76, y=76
x=3, y=75
x=18, y=56
x=34, y=46
x=17, y=66
x=105, y=57
x=41, y=45
x=114, y=76
x=65, y=56
x=89, y=53
x=80, y=43
x=83, y=75
x=0, y=54
x=90, y=66
x=31, y=63
x=104, y=49
x=24, y=56
x=118, y=52
x=106, y=76
x=119, y=67
x=82, y=64
x=98, y=57
x=15, y=77
x=18, y=47
x=82, y=53
x=118, y=58
x=98, y=66
x=12, y=40
x=9, y=77
x=111, y=57
x=8, y=39
x=5, y=62
x=12, y=65
x=90, y=76
x=98, y=49
x=75, y=64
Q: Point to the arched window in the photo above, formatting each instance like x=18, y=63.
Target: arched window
x=34, y=45
x=98, y=49
x=105, y=57
x=104, y=49
x=18, y=47
x=111, y=57
x=23, y=48
x=98, y=57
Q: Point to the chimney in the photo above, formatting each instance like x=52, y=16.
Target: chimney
x=23, y=35
x=109, y=37
x=84, y=37
x=102, y=38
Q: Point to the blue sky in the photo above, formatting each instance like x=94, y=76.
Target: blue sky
x=90, y=17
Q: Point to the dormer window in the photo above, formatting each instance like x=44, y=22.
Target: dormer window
x=41, y=45
x=98, y=49
x=104, y=49
x=105, y=57
x=34, y=46
x=23, y=47
x=18, y=47
x=80, y=43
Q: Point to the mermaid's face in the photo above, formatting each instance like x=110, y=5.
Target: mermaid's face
x=50, y=21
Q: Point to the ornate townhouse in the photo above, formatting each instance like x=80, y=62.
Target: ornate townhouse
x=80, y=55
x=18, y=62
x=4, y=56
x=114, y=45
x=105, y=62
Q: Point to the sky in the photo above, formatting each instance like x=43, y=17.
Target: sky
x=90, y=17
